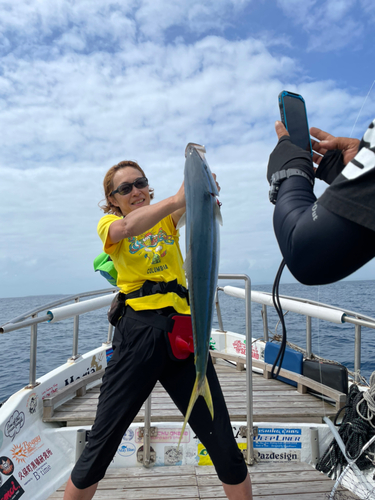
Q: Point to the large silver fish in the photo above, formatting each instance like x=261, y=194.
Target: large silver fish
x=202, y=262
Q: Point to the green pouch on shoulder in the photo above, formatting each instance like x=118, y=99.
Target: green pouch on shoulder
x=104, y=264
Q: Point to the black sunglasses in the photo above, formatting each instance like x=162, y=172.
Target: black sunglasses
x=126, y=187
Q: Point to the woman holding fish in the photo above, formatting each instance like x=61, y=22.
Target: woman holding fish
x=143, y=242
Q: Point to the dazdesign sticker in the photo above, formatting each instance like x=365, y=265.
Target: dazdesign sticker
x=11, y=489
x=272, y=455
x=14, y=424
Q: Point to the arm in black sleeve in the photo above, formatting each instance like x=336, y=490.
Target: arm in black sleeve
x=319, y=247
x=331, y=166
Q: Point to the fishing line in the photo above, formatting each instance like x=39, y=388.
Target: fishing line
x=277, y=306
x=360, y=111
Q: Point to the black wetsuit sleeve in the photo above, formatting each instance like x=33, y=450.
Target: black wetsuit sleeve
x=319, y=247
x=331, y=166
x=325, y=240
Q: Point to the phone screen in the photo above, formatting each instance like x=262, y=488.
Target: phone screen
x=295, y=121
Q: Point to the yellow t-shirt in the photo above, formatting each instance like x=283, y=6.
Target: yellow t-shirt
x=154, y=255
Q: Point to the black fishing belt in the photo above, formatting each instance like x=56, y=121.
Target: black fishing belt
x=177, y=327
x=118, y=308
x=152, y=287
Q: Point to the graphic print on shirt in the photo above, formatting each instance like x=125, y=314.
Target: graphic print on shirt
x=365, y=158
x=151, y=245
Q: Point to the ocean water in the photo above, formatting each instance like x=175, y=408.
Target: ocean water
x=55, y=341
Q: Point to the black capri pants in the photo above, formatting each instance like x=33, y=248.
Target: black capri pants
x=319, y=247
x=139, y=360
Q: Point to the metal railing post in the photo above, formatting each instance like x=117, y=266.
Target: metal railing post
x=218, y=311
x=33, y=349
x=249, y=364
x=249, y=374
x=265, y=322
x=146, y=435
x=357, y=352
x=75, y=354
x=110, y=332
x=308, y=337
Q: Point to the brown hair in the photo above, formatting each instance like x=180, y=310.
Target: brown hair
x=108, y=207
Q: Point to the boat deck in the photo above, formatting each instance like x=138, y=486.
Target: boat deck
x=294, y=481
x=274, y=401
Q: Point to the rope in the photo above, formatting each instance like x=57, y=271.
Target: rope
x=355, y=431
x=366, y=407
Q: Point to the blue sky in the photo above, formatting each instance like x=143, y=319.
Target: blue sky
x=86, y=84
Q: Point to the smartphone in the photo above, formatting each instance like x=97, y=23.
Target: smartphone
x=294, y=117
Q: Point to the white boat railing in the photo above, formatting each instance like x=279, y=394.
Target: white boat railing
x=53, y=314
x=310, y=309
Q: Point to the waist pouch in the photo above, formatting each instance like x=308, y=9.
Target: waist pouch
x=177, y=328
x=116, y=310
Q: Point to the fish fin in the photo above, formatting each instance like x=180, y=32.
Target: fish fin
x=206, y=393
x=218, y=214
x=181, y=223
x=193, y=398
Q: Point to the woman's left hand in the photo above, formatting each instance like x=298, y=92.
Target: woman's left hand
x=217, y=184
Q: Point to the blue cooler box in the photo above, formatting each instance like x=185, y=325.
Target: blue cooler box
x=293, y=360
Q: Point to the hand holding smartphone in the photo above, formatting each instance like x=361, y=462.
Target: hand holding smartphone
x=294, y=117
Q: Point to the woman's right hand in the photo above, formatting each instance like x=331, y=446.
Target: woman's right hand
x=326, y=142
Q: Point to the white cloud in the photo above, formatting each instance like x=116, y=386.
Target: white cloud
x=331, y=24
x=84, y=85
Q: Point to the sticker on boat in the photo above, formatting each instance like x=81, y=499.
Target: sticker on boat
x=278, y=438
x=129, y=435
x=172, y=455
x=32, y=403
x=6, y=466
x=166, y=435
x=11, y=489
x=126, y=450
x=14, y=424
x=273, y=456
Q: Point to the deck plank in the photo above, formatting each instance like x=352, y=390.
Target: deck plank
x=274, y=401
x=297, y=481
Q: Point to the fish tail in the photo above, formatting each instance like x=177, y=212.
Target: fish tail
x=206, y=393
x=207, y=397
x=193, y=398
